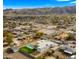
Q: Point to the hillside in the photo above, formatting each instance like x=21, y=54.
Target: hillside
x=41, y=11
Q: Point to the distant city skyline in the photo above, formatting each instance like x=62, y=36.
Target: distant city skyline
x=18, y=4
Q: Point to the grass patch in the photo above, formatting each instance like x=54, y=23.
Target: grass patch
x=27, y=50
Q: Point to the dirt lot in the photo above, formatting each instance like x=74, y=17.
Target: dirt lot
x=18, y=55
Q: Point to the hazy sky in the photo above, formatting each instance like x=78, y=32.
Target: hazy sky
x=37, y=3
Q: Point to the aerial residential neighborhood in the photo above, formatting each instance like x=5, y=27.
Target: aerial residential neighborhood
x=41, y=32
x=33, y=40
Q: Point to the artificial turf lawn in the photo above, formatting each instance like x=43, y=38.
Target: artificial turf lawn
x=27, y=50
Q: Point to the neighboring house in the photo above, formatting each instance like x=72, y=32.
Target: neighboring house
x=15, y=48
x=68, y=50
x=73, y=57
x=43, y=45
